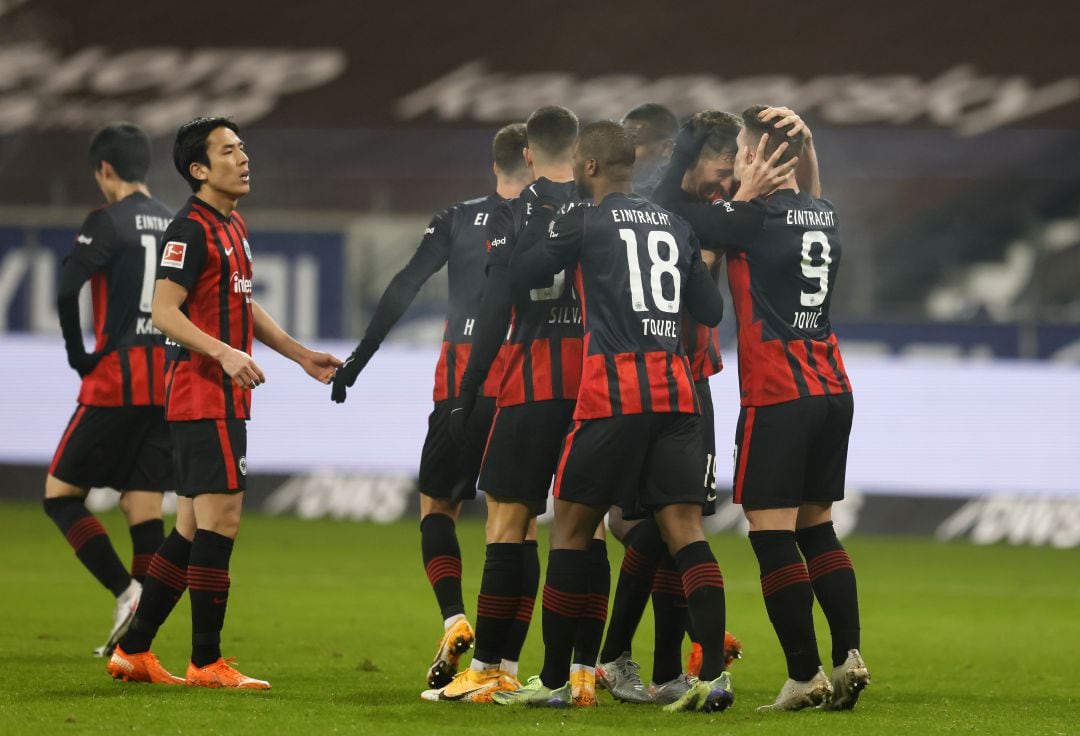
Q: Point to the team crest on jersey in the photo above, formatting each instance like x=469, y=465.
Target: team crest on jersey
x=247, y=248
x=173, y=254
x=242, y=464
x=84, y=239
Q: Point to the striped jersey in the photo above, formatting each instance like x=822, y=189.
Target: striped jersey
x=782, y=282
x=119, y=244
x=208, y=254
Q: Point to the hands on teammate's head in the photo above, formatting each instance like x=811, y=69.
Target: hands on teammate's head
x=784, y=118
x=347, y=372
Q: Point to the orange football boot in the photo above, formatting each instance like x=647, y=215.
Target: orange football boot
x=222, y=674
x=140, y=667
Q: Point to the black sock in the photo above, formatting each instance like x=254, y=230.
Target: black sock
x=591, y=627
x=644, y=547
x=90, y=541
x=145, y=540
x=500, y=596
x=566, y=596
x=166, y=579
x=670, y=615
x=703, y=585
x=518, y=630
x=833, y=579
x=442, y=562
x=788, y=599
x=208, y=586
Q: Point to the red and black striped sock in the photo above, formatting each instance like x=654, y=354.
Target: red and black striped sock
x=566, y=597
x=703, y=585
x=90, y=541
x=518, y=630
x=669, y=613
x=163, y=586
x=590, y=631
x=145, y=540
x=208, y=586
x=499, y=600
x=442, y=562
x=833, y=578
x=788, y=599
x=644, y=546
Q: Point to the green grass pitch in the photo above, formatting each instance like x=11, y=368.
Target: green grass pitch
x=339, y=617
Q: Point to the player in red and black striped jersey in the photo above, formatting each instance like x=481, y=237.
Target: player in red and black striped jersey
x=539, y=338
x=792, y=436
x=455, y=238
x=117, y=437
x=635, y=439
x=203, y=303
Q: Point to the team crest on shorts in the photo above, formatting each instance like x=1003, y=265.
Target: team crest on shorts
x=243, y=464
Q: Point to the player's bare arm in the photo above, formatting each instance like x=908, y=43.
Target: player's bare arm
x=168, y=297
x=807, y=172
x=318, y=365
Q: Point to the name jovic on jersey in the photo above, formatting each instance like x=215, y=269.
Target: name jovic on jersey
x=635, y=263
x=120, y=245
x=782, y=282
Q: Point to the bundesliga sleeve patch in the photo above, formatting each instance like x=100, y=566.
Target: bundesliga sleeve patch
x=174, y=253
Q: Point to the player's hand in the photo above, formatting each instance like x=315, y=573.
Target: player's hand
x=83, y=362
x=459, y=416
x=762, y=176
x=242, y=368
x=320, y=366
x=785, y=117
x=547, y=193
x=346, y=374
x=689, y=142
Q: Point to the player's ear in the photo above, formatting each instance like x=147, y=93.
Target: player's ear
x=528, y=156
x=666, y=148
x=106, y=171
x=200, y=172
x=591, y=167
x=495, y=169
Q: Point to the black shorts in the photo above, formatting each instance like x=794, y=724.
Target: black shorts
x=792, y=453
x=708, y=446
x=210, y=455
x=121, y=447
x=523, y=451
x=446, y=470
x=641, y=462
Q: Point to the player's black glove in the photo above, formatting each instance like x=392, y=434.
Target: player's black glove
x=547, y=194
x=345, y=376
x=688, y=144
x=459, y=416
x=83, y=362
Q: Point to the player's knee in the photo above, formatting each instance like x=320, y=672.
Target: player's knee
x=430, y=505
x=56, y=488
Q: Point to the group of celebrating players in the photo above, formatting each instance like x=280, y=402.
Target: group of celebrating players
x=579, y=340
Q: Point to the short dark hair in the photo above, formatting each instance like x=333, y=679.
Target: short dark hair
x=127, y=149
x=551, y=130
x=723, y=128
x=190, y=145
x=661, y=121
x=506, y=148
x=755, y=128
x=609, y=144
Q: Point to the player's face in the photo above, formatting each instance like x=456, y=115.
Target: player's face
x=651, y=151
x=229, y=172
x=713, y=175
